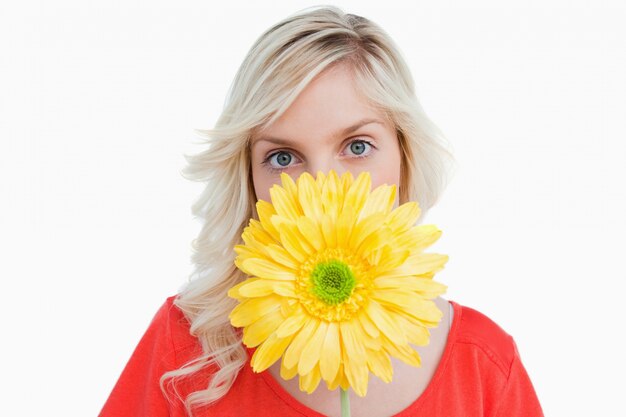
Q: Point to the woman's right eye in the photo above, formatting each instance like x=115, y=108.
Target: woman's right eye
x=278, y=161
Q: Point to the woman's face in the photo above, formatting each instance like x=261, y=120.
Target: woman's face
x=329, y=126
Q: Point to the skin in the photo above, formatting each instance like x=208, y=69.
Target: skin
x=313, y=138
x=313, y=127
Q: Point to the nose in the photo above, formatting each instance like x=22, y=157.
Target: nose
x=325, y=164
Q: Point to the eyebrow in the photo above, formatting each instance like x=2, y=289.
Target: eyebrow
x=346, y=131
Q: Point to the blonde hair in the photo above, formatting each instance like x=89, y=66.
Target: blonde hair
x=280, y=64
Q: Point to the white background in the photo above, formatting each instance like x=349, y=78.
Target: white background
x=98, y=104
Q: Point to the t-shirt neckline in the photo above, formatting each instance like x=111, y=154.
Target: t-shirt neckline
x=434, y=382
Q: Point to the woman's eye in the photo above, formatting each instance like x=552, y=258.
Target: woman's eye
x=279, y=160
x=359, y=147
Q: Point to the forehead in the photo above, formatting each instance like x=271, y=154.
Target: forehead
x=330, y=105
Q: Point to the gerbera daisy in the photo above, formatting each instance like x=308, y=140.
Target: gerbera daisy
x=338, y=281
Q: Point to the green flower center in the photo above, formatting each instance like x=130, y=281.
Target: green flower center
x=333, y=282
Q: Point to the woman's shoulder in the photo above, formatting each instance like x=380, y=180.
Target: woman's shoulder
x=170, y=317
x=174, y=326
x=484, y=361
x=473, y=328
x=165, y=345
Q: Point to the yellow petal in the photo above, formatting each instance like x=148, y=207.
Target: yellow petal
x=311, y=352
x=415, y=333
x=343, y=382
x=357, y=376
x=252, y=241
x=258, y=232
x=277, y=221
x=285, y=288
x=371, y=343
x=351, y=342
x=293, y=323
x=330, y=356
x=265, y=210
x=310, y=381
x=390, y=259
x=379, y=201
x=310, y=197
x=289, y=185
x=424, y=310
x=424, y=286
x=288, y=306
x=384, y=322
x=417, y=264
x=413, y=318
x=253, y=287
x=243, y=250
x=263, y=287
x=267, y=269
x=403, y=352
x=284, y=205
x=320, y=179
x=379, y=363
x=269, y=352
x=340, y=380
x=249, y=310
x=354, y=356
x=344, y=225
x=292, y=243
x=358, y=192
x=417, y=238
x=259, y=331
x=281, y=256
x=346, y=181
x=367, y=324
x=379, y=256
x=294, y=351
x=365, y=228
x=332, y=195
x=374, y=241
x=311, y=231
x=287, y=373
x=396, y=297
x=233, y=292
x=328, y=231
x=404, y=216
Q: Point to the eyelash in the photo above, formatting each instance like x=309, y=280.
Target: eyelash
x=266, y=161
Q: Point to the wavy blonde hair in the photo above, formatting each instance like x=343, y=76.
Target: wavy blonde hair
x=280, y=64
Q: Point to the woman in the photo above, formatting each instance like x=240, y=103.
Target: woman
x=320, y=90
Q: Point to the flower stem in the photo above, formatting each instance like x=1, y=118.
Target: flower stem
x=345, y=403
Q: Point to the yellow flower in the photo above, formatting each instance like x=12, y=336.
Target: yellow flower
x=338, y=281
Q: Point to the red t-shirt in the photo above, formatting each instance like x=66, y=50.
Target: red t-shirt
x=480, y=374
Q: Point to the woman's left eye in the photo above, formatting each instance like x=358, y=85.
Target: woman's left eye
x=360, y=148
